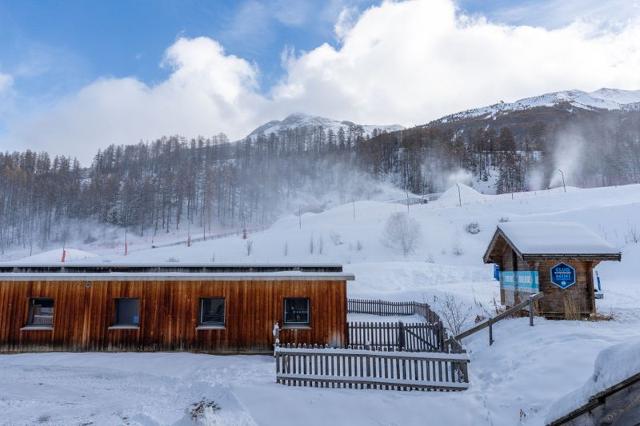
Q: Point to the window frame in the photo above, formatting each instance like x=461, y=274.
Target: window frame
x=293, y=324
x=30, y=325
x=209, y=325
x=115, y=324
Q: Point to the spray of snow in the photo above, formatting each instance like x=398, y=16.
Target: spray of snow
x=567, y=157
x=535, y=179
x=459, y=176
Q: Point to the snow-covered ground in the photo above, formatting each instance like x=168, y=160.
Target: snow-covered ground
x=515, y=381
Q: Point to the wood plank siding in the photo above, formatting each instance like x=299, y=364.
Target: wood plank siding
x=84, y=311
x=578, y=299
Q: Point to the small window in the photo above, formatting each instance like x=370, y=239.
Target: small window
x=212, y=311
x=127, y=312
x=296, y=311
x=40, y=312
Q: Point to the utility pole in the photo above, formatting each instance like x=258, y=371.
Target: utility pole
x=563, y=183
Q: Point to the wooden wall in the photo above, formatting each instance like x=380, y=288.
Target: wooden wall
x=580, y=295
x=555, y=300
x=169, y=310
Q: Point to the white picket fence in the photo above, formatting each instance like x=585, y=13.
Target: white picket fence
x=370, y=369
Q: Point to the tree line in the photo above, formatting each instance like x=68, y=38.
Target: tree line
x=210, y=184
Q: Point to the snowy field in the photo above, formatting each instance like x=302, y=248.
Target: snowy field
x=515, y=381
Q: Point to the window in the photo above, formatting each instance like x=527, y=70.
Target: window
x=212, y=311
x=40, y=312
x=296, y=311
x=127, y=312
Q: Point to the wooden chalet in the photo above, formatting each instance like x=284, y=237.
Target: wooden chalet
x=170, y=307
x=555, y=258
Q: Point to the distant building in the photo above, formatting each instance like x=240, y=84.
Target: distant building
x=177, y=307
x=555, y=258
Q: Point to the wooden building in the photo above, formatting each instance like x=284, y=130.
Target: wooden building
x=555, y=258
x=170, y=307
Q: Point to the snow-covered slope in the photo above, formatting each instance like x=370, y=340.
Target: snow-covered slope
x=513, y=382
x=294, y=121
x=601, y=99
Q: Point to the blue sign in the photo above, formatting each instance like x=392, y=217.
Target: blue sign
x=523, y=281
x=563, y=275
x=496, y=272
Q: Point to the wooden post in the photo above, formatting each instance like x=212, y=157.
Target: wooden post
x=401, y=343
x=490, y=331
x=530, y=312
x=591, y=298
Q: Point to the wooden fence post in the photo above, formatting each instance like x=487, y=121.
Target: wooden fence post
x=401, y=342
x=490, y=331
x=531, y=312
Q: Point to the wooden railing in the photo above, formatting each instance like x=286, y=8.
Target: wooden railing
x=387, y=308
x=370, y=369
x=430, y=336
x=489, y=323
x=412, y=337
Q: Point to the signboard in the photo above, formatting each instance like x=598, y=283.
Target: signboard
x=521, y=281
x=563, y=275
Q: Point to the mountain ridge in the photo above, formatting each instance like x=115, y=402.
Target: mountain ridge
x=302, y=120
x=604, y=99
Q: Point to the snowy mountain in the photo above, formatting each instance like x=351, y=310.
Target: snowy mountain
x=298, y=120
x=601, y=99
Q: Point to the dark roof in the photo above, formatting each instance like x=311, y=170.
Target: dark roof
x=168, y=267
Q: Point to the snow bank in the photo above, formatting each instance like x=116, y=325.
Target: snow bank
x=450, y=197
x=53, y=256
x=613, y=365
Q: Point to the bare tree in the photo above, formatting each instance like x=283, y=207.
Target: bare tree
x=402, y=232
x=454, y=313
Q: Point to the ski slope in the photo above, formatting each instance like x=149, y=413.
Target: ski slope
x=515, y=381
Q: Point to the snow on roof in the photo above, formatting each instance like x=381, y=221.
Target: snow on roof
x=178, y=276
x=555, y=238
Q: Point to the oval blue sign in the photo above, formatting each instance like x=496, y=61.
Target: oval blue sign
x=563, y=275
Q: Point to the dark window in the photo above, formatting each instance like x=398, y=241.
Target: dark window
x=127, y=312
x=296, y=311
x=40, y=312
x=212, y=311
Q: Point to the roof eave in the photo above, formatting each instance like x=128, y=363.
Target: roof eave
x=592, y=256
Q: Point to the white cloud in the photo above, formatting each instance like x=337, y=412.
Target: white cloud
x=405, y=63
x=558, y=13
x=207, y=92
x=6, y=97
x=6, y=81
x=414, y=61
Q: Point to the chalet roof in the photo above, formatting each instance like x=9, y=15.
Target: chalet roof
x=164, y=267
x=170, y=271
x=551, y=239
x=177, y=276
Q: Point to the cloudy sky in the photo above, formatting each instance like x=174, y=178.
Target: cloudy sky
x=76, y=75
